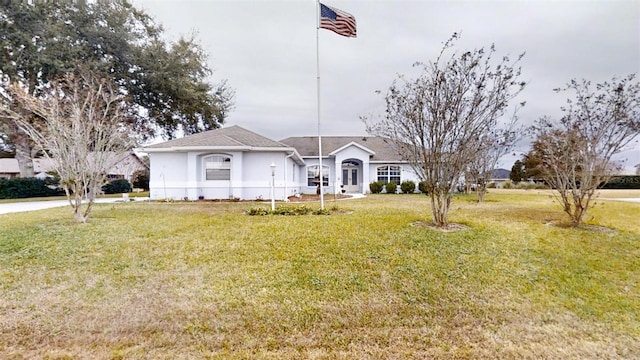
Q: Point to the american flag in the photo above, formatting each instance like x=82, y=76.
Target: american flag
x=338, y=21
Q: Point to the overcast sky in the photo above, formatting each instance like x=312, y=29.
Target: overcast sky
x=267, y=52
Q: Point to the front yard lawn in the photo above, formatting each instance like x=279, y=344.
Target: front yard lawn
x=204, y=280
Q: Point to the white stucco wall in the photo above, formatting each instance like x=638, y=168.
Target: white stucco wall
x=168, y=173
x=180, y=175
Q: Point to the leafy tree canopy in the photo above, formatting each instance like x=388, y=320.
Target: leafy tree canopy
x=167, y=84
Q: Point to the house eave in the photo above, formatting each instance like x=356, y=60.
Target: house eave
x=172, y=149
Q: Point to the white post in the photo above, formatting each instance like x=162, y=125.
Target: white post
x=273, y=180
x=318, y=91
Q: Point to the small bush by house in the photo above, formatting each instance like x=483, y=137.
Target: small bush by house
x=408, y=187
x=376, y=187
x=391, y=187
x=422, y=186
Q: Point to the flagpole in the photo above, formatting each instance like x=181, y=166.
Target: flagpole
x=320, y=177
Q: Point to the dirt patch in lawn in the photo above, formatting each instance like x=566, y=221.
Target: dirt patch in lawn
x=450, y=228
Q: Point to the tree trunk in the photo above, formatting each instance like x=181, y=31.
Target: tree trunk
x=75, y=200
x=481, y=194
x=482, y=191
x=24, y=152
x=440, y=202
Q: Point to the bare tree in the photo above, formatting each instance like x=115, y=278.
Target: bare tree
x=576, y=151
x=492, y=147
x=438, y=121
x=84, y=132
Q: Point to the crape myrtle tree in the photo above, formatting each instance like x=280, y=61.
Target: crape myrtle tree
x=85, y=128
x=438, y=122
x=491, y=148
x=43, y=41
x=576, y=150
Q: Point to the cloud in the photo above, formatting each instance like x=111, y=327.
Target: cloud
x=267, y=51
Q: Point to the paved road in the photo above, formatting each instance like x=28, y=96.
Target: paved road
x=637, y=200
x=15, y=207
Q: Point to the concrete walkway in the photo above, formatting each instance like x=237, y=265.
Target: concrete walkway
x=22, y=206
x=636, y=200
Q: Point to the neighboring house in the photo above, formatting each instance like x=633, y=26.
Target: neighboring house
x=234, y=162
x=123, y=169
x=499, y=177
x=9, y=168
x=126, y=166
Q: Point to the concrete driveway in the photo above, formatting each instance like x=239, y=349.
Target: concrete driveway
x=7, y=208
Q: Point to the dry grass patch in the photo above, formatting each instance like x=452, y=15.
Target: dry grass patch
x=204, y=280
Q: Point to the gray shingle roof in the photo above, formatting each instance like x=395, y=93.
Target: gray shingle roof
x=500, y=174
x=229, y=136
x=307, y=146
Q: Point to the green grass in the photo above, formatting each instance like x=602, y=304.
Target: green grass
x=50, y=198
x=204, y=280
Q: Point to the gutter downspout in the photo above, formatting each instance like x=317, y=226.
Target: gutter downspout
x=286, y=189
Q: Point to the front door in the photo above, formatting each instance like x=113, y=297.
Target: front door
x=350, y=172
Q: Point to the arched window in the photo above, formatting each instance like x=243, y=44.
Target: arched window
x=313, y=178
x=388, y=173
x=217, y=167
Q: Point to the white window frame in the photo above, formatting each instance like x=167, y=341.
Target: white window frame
x=218, y=169
x=384, y=173
x=326, y=170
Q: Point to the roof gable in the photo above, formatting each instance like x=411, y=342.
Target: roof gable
x=380, y=148
x=354, y=144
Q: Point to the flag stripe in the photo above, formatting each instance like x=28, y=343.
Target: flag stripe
x=338, y=21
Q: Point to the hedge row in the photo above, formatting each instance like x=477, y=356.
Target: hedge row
x=407, y=187
x=19, y=188
x=623, y=182
x=28, y=187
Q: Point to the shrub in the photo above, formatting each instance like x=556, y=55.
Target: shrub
x=507, y=185
x=286, y=211
x=321, y=212
x=28, y=187
x=422, y=186
x=141, y=179
x=259, y=211
x=117, y=186
x=526, y=185
x=391, y=187
x=491, y=185
x=376, y=187
x=408, y=187
x=292, y=210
